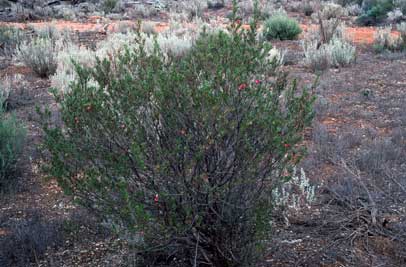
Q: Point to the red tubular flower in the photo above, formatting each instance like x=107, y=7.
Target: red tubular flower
x=257, y=81
x=287, y=145
x=156, y=198
x=242, y=86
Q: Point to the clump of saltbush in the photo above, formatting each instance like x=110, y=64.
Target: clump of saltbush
x=336, y=53
x=10, y=38
x=280, y=26
x=327, y=47
x=385, y=40
x=182, y=153
x=70, y=54
x=40, y=55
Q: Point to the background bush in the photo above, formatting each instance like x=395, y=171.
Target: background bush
x=10, y=38
x=40, y=55
x=28, y=240
x=281, y=27
x=375, y=12
x=12, y=135
x=182, y=154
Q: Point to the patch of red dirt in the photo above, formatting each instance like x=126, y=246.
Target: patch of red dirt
x=359, y=35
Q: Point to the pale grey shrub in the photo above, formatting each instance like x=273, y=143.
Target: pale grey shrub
x=40, y=55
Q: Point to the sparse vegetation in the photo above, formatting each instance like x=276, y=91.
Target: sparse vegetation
x=167, y=114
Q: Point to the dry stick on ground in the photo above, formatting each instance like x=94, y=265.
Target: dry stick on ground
x=374, y=210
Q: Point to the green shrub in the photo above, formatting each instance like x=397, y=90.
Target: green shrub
x=182, y=154
x=40, y=55
x=12, y=135
x=109, y=5
x=281, y=27
x=375, y=12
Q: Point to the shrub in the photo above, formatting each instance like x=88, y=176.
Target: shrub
x=295, y=195
x=40, y=55
x=402, y=29
x=109, y=5
x=401, y=4
x=28, y=241
x=353, y=10
x=308, y=8
x=384, y=40
x=337, y=52
x=5, y=88
x=143, y=11
x=10, y=38
x=215, y=4
x=332, y=11
x=281, y=27
x=148, y=27
x=182, y=153
x=342, y=52
x=375, y=12
x=191, y=8
x=12, y=136
x=65, y=71
x=317, y=58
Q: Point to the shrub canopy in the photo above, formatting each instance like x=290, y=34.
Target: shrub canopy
x=183, y=154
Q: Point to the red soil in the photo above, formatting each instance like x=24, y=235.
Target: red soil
x=359, y=35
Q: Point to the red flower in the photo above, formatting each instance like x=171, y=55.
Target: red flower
x=287, y=145
x=89, y=108
x=242, y=86
x=238, y=21
x=76, y=120
x=156, y=198
x=257, y=81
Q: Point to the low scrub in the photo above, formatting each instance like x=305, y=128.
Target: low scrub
x=40, y=55
x=375, y=12
x=12, y=135
x=327, y=46
x=170, y=44
x=10, y=38
x=385, y=40
x=182, y=153
x=29, y=240
x=281, y=27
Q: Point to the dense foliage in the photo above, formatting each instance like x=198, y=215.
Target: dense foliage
x=12, y=135
x=182, y=153
x=281, y=27
x=375, y=12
